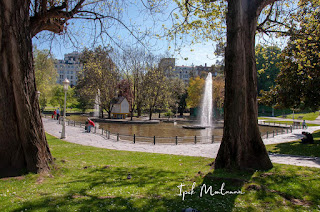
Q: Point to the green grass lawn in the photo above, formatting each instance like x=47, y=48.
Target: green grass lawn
x=93, y=179
x=305, y=116
x=295, y=148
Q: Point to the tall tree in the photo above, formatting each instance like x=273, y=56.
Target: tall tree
x=25, y=147
x=23, y=142
x=218, y=91
x=195, y=90
x=242, y=146
x=177, y=95
x=45, y=74
x=268, y=59
x=99, y=72
x=298, y=83
x=133, y=63
x=155, y=90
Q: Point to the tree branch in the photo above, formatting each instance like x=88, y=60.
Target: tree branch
x=52, y=19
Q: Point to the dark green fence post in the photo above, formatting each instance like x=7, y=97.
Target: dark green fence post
x=195, y=139
x=176, y=140
x=212, y=141
x=154, y=140
x=134, y=138
x=117, y=136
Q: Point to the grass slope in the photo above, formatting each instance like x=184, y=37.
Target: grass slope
x=296, y=148
x=94, y=179
x=303, y=116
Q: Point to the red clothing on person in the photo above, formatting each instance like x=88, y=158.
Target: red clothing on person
x=90, y=123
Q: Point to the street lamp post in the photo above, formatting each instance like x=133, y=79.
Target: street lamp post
x=38, y=95
x=65, y=88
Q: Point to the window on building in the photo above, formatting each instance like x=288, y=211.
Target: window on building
x=71, y=72
x=71, y=77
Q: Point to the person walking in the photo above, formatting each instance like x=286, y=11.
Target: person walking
x=58, y=114
x=304, y=125
x=54, y=115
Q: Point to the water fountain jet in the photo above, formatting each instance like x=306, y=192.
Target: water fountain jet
x=206, y=107
x=97, y=104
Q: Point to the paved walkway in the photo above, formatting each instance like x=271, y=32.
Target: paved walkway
x=78, y=136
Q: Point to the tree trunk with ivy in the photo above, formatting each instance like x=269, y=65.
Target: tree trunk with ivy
x=242, y=146
x=23, y=144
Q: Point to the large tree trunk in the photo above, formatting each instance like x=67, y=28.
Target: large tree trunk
x=242, y=146
x=23, y=145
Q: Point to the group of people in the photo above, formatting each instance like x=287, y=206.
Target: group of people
x=56, y=114
x=307, y=138
x=89, y=122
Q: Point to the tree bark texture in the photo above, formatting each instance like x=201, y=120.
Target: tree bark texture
x=242, y=146
x=23, y=145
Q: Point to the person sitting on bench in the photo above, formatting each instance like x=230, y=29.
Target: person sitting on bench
x=89, y=125
x=307, y=139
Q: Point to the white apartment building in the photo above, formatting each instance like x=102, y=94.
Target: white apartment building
x=69, y=68
x=183, y=72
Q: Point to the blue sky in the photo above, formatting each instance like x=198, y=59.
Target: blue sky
x=61, y=44
x=197, y=54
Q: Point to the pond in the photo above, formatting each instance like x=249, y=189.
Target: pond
x=163, y=132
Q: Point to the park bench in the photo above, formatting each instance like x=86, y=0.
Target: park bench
x=296, y=123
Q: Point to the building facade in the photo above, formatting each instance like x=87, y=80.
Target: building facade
x=120, y=109
x=69, y=68
x=184, y=72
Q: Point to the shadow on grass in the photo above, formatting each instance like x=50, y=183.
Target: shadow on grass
x=150, y=189
x=296, y=148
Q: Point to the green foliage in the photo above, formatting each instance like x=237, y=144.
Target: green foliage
x=267, y=60
x=58, y=95
x=298, y=83
x=45, y=74
x=177, y=95
x=203, y=20
x=155, y=89
x=195, y=91
x=99, y=72
x=218, y=84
